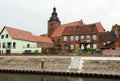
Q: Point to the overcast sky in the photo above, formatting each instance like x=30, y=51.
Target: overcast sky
x=32, y=15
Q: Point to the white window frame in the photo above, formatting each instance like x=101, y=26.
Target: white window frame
x=94, y=46
x=65, y=38
x=88, y=37
x=76, y=38
x=71, y=38
x=72, y=46
x=82, y=37
x=94, y=37
x=88, y=46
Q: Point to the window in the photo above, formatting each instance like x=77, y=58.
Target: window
x=28, y=45
x=2, y=37
x=65, y=47
x=14, y=45
x=71, y=38
x=82, y=37
x=9, y=45
x=88, y=37
x=3, y=45
x=6, y=35
x=94, y=37
x=76, y=38
x=82, y=46
x=72, y=46
x=65, y=38
x=94, y=46
x=88, y=46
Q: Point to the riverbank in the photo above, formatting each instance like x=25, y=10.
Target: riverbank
x=107, y=66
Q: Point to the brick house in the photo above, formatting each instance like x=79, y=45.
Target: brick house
x=78, y=35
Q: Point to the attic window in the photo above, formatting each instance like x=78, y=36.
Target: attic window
x=2, y=37
x=6, y=35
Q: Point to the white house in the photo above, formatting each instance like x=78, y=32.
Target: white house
x=18, y=41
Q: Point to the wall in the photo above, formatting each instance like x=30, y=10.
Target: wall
x=21, y=45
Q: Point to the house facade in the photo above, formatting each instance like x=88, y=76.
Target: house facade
x=78, y=35
x=19, y=41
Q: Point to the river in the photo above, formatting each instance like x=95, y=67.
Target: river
x=35, y=77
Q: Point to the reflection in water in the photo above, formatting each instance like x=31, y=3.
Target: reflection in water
x=33, y=77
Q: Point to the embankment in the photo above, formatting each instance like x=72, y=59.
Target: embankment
x=87, y=66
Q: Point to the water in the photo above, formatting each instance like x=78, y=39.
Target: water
x=35, y=77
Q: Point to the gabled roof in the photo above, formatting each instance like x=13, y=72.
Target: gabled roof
x=60, y=29
x=107, y=36
x=78, y=28
x=90, y=28
x=25, y=35
x=43, y=39
x=19, y=34
x=99, y=27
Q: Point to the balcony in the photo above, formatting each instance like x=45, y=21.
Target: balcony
x=86, y=41
x=7, y=47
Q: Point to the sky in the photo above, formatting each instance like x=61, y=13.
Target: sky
x=33, y=15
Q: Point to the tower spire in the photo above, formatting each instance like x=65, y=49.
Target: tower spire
x=54, y=16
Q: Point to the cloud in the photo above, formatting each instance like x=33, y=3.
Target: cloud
x=32, y=15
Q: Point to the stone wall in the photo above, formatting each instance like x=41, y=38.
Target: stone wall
x=97, y=65
x=111, y=52
x=50, y=64
x=101, y=66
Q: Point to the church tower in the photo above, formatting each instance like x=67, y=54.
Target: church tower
x=53, y=22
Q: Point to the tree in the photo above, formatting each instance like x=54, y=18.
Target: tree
x=114, y=27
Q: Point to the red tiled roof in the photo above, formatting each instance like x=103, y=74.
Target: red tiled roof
x=58, y=32
x=64, y=29
x=43, y=39
x=90, y=29
x=99, y=27
x=20, y=34
x=25, y=35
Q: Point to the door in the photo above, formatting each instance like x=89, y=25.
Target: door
x=8, y=51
